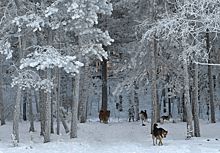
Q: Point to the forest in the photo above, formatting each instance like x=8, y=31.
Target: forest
x=62, y=61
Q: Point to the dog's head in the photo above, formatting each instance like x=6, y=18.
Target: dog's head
x=164, y=133
x=142, y=112
x=155, y=125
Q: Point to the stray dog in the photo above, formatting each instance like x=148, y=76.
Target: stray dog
x=166, y=117
x=143, y=116
x=158, y=133
x=104, y=116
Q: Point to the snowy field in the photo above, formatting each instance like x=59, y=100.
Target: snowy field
x=115, y=137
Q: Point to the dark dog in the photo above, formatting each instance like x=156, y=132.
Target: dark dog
x=158, y=133
x=143, y=116
x=104, y=116
x=166, y=117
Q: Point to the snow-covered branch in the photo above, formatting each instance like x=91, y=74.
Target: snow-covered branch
x=48, y=57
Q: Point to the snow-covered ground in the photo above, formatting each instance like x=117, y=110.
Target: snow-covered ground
x=115, y=137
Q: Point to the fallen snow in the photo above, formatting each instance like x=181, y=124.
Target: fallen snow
x=115, y=137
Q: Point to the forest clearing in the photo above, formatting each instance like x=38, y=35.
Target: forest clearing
x=115, y=137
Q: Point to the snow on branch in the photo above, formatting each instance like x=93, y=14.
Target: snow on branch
x=29, y=78
x=32, y=20
x=5, y=48
x=48, y=57
x=192, y=18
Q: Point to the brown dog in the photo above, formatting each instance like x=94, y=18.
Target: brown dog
x=104, y=116
x=166, y=117
x=143, y=116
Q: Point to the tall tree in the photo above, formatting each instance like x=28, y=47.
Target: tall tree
x=153, y=70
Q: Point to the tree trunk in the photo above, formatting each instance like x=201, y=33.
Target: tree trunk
x=84, y=94
x=153, y=71
x=195, y=101
x=25, y=106
x=63, y=121
x=31, y=112
x=1, y=94
x=187, y=99
x=42, y=106
x=51, y=125
x=1, y=76
x=16, y=114
x=36, y=101
x=104, y=85
x=136, y=100
x=48, y=101
x=169, y=102
x=210, y=79
x=57, y=96
x=164, y=100
x=158, y=107
x=47, y=112
x=73, y=131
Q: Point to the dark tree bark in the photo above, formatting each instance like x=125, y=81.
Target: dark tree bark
x=104, y=84
x=31, y=112
x=210, y=79
x=25, y=106
x=195, y=103
x=1, y=76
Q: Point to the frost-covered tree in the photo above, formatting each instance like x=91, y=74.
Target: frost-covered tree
x=79, y=17
x=185, y=25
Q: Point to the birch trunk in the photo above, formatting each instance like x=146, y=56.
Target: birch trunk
x=84, y=94
x=210, y=79
x=17, y=114
x=31, y=112
x=18, y=94
x=195, y=101
x=187, y=99
x=1, y=91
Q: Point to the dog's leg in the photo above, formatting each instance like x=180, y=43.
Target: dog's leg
x=156, y=140
x=153, y=139
x=160, y=141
